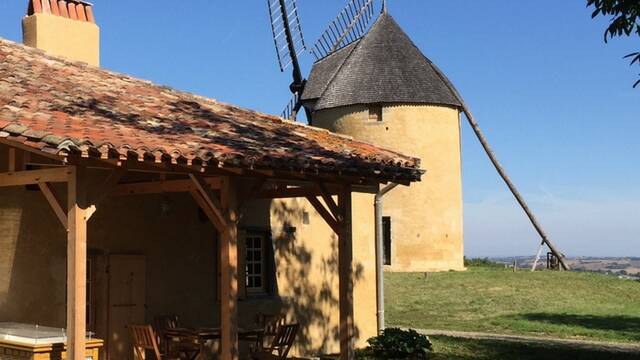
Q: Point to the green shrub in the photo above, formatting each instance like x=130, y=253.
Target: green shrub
x=398, y=344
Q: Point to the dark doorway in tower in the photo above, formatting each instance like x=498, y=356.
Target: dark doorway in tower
x=386, y=239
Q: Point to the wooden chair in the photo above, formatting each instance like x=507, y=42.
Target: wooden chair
x=143, y=338
x=165, y=322
x=271, y=324
x=177, y=347
x=281, y=344
x=161, y=324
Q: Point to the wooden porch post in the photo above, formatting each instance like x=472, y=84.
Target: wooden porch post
x=76, y=264
x=229, y=272
x=345, y=274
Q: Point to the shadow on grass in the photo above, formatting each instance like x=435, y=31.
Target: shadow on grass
x=462, y=349
x=629, y=325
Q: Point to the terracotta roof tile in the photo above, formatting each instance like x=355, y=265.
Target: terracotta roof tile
x=62, y=107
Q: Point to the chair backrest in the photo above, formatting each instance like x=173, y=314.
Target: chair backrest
x=144, y=338
x=165, y=322
x=273, y=323
x=284, y=339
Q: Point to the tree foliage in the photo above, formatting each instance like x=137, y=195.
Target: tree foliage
x=625, y=21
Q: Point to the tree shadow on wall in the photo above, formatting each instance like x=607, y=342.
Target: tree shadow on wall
x=312, y=280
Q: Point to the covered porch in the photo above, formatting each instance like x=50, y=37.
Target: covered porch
x=117, y=213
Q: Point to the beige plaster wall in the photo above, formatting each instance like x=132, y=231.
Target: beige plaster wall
x=307, y=274
x=427, y=233
x=56, y=35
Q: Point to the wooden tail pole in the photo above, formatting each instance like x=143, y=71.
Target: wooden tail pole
x=503, y=174
x=511, y=186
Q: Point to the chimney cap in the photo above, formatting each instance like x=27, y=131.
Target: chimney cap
x=75, y=9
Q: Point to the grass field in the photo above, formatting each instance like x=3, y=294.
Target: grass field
x=459, y=349
x=485, y=299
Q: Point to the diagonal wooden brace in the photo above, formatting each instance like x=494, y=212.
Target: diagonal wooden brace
x=326, y=214
x=54, y=203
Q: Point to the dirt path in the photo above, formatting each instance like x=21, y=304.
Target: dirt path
x=545, y=341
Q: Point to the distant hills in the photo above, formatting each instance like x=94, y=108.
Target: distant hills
x=621, y=266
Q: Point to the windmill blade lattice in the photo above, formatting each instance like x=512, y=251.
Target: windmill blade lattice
x=350, y=25
x=284, y=18
x=290, y=112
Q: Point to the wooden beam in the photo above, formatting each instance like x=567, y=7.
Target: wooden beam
x=333, y=207
x=163, y=186
x=101, y=192
x=54, y=203
x=204, y=205
x=294, y=192
x=201, y=188
x=326, y=215
x=345, y=277
x=21, y=146
x=76, y=264
x=33, y=177
x=229, y=273
x=12, y=160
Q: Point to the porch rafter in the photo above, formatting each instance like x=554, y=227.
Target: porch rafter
x=33, y=177
x=163, y=186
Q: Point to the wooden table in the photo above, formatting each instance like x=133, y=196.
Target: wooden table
x=200, y=336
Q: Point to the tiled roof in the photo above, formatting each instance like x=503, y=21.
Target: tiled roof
x=384, y=66
x=69, y=108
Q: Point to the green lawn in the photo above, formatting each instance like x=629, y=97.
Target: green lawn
x=458, y=349
x=558, y=304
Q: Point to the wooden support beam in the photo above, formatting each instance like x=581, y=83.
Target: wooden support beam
x=54, y=203
x=333, y=207
x=208, y=211
x=33, y=177
x=345, y=277
x=294, y=192
x=12, y=160
x=326, y=215
x=229, y=273
x=202, y=189
x=163, y=186
x=98, y=194
x=21, y=146
x=76, y=264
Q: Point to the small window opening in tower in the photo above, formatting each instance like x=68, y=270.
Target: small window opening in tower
x=386, y=239
x=375, y=112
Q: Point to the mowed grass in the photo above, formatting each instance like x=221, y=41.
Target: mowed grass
x=461, y=349
x=545, y=303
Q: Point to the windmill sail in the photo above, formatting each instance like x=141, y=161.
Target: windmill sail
x=350, y=25
x=289, y=43
x=287, y=32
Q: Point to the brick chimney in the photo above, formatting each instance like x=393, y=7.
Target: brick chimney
x=64, y=28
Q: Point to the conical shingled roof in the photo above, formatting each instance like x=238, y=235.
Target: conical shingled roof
x=384, y=66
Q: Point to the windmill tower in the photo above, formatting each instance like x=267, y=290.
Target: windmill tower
x=381, y=89
x=375, y=85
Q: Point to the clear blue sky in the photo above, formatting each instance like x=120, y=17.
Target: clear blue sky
x=555, y=102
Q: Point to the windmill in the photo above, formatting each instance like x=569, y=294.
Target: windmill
x=349, y=25
x=344, y=34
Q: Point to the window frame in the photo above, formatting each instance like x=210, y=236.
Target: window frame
x=249, y=246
